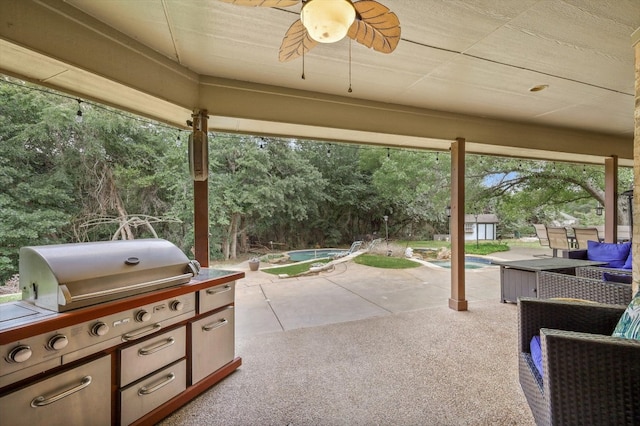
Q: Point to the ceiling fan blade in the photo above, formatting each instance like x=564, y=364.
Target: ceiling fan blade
x=263, y=3
x=375, y=26
x=295, y=42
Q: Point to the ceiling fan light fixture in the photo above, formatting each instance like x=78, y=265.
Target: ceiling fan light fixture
x=327, y=21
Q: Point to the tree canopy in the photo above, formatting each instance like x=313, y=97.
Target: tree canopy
x=114, y=175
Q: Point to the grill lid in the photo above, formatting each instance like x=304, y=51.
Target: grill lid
x=61, y=277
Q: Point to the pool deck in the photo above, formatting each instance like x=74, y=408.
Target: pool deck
x=266, y=303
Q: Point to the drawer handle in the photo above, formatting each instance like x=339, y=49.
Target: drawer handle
x=141, y=332
x=215, y=325
x=212, y=291
x=41, y=401
x=158, y=347
x=168, y=379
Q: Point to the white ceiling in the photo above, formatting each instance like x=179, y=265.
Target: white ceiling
x=477, y=57
x=462, y=69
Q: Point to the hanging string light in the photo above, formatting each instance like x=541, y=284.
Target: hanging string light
x=437, y=158
x=79, y=113
x=329, y=150
x=388, y=153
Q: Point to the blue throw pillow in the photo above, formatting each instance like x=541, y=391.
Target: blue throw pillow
x=617, y=278
x=536, y=353
x=614, y=254
x=629, y=263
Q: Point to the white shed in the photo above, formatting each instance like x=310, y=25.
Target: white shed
x=480, y=227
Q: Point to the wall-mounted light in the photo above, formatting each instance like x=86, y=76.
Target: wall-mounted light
x=447, y=211
x=327, y=21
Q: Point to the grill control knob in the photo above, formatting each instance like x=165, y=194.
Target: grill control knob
x=99, y=329
x=143, y=316
x=57, y=342
x=176, y=305
x=19, y=354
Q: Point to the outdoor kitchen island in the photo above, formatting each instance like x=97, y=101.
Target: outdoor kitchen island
x=132, y=360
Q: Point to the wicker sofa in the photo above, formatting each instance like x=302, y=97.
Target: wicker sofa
x=589, y=377
x=587, y=284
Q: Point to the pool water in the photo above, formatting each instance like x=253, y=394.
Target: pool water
x=469, y=263
x=302, y=255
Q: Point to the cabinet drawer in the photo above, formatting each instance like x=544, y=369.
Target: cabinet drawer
x=147, y=356
x=79, y=396
x=213, y=343
x=143, y=396
x=216, y=297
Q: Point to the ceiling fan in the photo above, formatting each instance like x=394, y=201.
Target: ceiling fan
x=327, y=21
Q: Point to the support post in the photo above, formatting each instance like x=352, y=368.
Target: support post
x=200, y=189
x=457, y=301
x=611, y=199
x=635, y=245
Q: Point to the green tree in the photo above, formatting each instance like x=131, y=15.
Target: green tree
x=258, y=184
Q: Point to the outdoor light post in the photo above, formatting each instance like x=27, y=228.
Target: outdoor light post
x=386, y=230
x=629, y=195
x=477, y=230
x=447, y=211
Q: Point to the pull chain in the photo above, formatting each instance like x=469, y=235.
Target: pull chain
x=303, y=61
x=349, y=91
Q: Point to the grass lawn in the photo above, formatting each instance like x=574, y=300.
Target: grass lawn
x=380, y=261
x=10, y=297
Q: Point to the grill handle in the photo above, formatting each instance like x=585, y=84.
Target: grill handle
x=65, y=297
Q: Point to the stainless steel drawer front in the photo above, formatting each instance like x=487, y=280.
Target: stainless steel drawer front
x=151, y=354
x=216, y=297
x=143, y=396
x=79, y=396
x=213, y=343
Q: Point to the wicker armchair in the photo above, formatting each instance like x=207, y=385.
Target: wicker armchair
x=589, y=377
x=552, y=284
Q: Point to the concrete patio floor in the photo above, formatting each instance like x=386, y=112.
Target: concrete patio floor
x=266, y=303
x=369, y=346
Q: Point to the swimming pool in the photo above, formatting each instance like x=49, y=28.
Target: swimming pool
x=302, y=255
x=469, y=262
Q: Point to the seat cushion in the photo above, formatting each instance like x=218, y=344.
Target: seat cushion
x=536, y=353
x=629, y=324
x=629, y=262
x=614, y=254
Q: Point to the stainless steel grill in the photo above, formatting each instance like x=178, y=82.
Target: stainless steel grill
x=69, y=276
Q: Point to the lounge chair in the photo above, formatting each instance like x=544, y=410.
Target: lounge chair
x=355, y=246
x=541, y=233
x=588, y=377
x=558, y=239
x=583, y=235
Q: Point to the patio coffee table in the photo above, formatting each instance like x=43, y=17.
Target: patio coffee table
x=519, y=278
